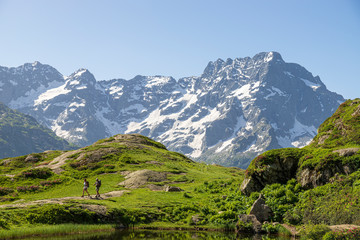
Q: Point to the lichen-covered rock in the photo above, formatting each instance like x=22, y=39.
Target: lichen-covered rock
x=141, y=177
x=346, y=152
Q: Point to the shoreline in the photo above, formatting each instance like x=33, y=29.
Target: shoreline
x=47, y=230
x=84, y=229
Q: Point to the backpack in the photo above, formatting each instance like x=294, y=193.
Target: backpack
x=87, y=184
x=98, y=183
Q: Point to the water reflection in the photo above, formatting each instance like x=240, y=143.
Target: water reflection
x=163, y=235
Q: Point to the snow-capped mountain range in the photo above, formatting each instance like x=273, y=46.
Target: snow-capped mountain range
x=236, y=109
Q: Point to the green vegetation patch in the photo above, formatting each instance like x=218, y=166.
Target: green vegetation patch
x=342, y=128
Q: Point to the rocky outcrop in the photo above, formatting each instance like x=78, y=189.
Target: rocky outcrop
x=274, y=166
x=250, y=185
x=346, y=152
x=310, y=178
x=172, y=189
x=139, y=178
x=261, y=211
x=327, y=156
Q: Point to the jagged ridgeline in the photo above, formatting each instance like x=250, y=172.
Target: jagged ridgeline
x=21, y=134
x=333, y=152
x=235, y=110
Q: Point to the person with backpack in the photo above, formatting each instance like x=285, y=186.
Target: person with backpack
x=86, y=186
x=97, y=187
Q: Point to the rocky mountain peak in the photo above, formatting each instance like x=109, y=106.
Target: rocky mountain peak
x=81, y=79
x=235, y=110
x=268, y=57
x=36, y=67
x=36, y=64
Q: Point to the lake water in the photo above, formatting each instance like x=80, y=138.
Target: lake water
x=163, y=235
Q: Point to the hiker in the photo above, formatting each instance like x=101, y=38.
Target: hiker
x=97, y=187
x=86, y=185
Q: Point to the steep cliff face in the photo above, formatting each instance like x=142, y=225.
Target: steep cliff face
x=333, y=152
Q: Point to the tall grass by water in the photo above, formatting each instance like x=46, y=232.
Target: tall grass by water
x=54, y=230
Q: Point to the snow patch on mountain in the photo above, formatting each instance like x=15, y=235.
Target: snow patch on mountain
x=156, y=81
x=111, y=126
x=298, y=130
x=50, y=94
x=314, y=86
x=80, y=72
x=30, y=98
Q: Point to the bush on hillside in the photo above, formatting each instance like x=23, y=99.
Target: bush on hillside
x=42, y=173
x=5, y=191
x=314, y=232
x=343, y=235
x=57, y=214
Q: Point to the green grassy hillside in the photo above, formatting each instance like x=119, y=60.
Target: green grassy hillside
x=145, y=185
x=46, y=188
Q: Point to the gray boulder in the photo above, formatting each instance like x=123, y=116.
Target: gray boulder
x=172, y=189
x=261, y=211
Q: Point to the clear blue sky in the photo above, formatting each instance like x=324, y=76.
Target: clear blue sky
x=121, y=39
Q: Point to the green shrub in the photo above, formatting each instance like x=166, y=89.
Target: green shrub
x=343, y=235
x=56, y=214
x=4, y=180
x=282, y=199
x=244, y=227
x=314, y=232
x=4, y=224
x=51, y=183
x=331, y=204
x=25, y=189
x=42, y=173
x=186, y=195
x=270, y=228
x=5, y=191
x=224, y=218
x=109, y=166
